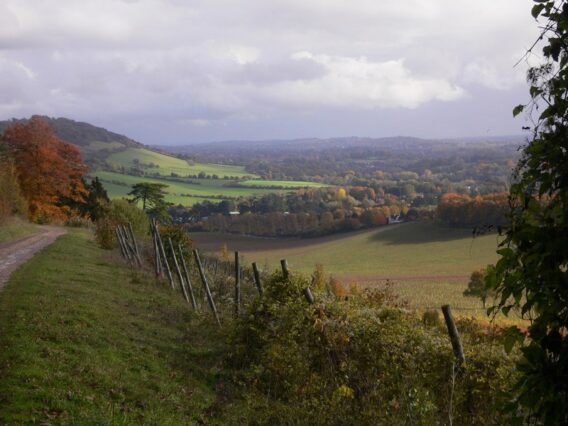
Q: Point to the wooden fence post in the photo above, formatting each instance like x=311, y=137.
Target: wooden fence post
x=187, y=278
x=206, y=285
x=178, y=270
x=163, y=252
x=284, y=264
x=119, y=241
x=157, y=265
x=257, y=278
x=125, y=244
x=237, y=284
x=309, y=296
x=454, y=335
x=134, y=241
x=130, y=246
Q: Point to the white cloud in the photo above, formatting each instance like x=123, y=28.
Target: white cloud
x=361, y=84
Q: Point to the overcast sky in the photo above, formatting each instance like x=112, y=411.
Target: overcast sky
x=186, y=71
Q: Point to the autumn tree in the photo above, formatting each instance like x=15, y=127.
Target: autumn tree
x=48, y=169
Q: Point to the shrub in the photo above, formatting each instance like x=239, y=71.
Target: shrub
x=431, y=318
x=119, y=212
x=178, y=235
x=359, y=361
x=476, y=286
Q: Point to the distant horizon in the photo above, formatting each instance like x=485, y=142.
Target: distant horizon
x=440, y=139
x=280, y=139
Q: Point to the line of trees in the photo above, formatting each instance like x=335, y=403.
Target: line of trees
x=461, y=210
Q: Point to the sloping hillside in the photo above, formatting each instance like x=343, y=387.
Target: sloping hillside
x=121, y=162
x=95, y=143
x=80, y=133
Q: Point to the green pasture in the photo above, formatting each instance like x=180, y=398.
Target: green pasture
x=428, y=264
x=168, y=164
x=179, y=192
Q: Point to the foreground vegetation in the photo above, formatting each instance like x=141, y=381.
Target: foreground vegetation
x=87, y=341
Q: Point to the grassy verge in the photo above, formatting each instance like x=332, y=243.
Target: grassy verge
x=15, y=228
x=83, y=341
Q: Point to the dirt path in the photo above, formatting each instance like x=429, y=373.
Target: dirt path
x=14, y=253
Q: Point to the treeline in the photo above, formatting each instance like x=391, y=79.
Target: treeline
x=307, y=212
x=290, y=224
x=462, y=210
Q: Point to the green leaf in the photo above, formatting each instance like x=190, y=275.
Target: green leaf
x=518, y=109
x=536, y=9
x=535, y=91
x=512, y=336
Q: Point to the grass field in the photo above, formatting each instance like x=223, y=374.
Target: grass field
x=98, y=146
x=84, y=341
x=180, y=192
x=14, y=228
x=169, y=164
x=428, y=264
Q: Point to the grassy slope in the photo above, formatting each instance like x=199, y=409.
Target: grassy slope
x=81, y=342
x=15, y=228
x=169, y=164
x=429, y=264
x=98, y=146
x=206, y=188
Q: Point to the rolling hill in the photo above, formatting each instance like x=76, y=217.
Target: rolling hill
x=121, y=162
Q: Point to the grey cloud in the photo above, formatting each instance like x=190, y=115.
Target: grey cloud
x=231, y=64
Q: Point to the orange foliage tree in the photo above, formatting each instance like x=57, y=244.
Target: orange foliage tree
x=48, y=169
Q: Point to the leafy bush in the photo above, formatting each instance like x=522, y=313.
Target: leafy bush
x=119, y=212
x=178, y=235
x=360, y=361
x=431, y=318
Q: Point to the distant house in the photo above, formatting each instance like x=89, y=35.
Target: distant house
x=395, y=219
x=234, y=213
